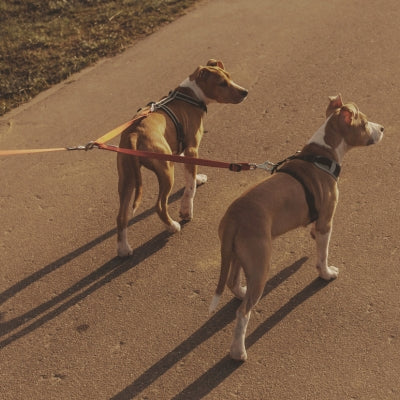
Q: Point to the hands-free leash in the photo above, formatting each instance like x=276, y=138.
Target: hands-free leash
x=100, y=143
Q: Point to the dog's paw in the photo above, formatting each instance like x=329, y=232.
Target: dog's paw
x=240, y=292
x=201, y=179
x=238, y=353
x=185, y=215
x=186, y=211
x=174, y=227
x=124, y=250
x=328, y=273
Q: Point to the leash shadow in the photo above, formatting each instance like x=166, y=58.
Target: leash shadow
x=36, y=276
x=213, y=325
x=83, y=288
x=226, y=366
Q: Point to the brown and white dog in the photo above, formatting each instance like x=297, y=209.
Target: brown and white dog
x=174, y=126
x=303, y=190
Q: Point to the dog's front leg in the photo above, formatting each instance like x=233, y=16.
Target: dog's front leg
x=192, y=180
x=322, y=240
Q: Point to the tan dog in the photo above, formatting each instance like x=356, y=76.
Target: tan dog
x=303, y=190
x=175, y=125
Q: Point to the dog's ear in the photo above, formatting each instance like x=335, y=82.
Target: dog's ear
x=215, y=63
x=348, y=113
x=335, y=101
x=198, y=74
x=202, y=73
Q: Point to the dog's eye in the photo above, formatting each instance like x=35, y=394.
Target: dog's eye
x=223, y=84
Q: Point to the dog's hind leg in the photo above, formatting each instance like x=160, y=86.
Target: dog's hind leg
x=129, y=179
x=256, y=255
x=234, y=281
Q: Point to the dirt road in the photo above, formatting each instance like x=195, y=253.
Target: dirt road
x=78, y=323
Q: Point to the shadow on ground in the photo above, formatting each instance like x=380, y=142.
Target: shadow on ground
x=225, y=367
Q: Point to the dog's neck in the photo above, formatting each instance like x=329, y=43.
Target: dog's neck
x=319, y=141
x=192, y=85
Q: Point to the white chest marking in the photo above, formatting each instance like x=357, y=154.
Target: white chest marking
x=197, y=91
x=319, y=138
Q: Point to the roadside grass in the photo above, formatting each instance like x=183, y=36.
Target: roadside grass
x=42, y=42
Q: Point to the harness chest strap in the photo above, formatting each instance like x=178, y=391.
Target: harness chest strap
x=162, y=104
x=327, y=165
x=312, y=211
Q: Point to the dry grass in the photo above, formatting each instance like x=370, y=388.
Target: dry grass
x=42, y=42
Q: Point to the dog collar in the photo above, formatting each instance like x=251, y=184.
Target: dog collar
x=324, y=163
x=187, y=99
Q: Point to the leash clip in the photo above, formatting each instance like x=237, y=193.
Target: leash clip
x=89, y=146
x=70, y=148
x=267, y=166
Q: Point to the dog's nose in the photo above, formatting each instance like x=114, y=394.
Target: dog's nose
x=382, y=129
x=244, y=92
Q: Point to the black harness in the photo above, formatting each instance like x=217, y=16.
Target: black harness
x=162, y=105
x=327, y=165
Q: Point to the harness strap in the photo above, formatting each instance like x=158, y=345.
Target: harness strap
x=188, y=99
x=312, y=211
x=178, y=126
x=162, y=104
x=326, y=164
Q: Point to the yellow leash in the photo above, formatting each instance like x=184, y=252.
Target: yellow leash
x=103, y=139
x=29, y=151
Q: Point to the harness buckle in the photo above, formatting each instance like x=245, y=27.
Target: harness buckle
x=235, y=167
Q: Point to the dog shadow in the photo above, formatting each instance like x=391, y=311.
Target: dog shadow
x=226, y=366
x=80, y=290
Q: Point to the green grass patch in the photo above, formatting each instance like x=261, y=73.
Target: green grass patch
x=42, y=42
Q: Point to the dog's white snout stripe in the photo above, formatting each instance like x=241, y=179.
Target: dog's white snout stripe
x=376, y=131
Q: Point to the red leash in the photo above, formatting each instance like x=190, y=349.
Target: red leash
x=235, y=167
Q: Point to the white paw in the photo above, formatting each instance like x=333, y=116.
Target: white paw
x=238, y=353
x=240, y=292
x=186, y=211
x=328, y=273
x=124, y=250
x=174, y=227
x=201, y=179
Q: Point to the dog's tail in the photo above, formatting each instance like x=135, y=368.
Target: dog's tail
x=227, y=235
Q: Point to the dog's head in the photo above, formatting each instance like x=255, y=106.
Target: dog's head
x=353, y=125
x=214, y=84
